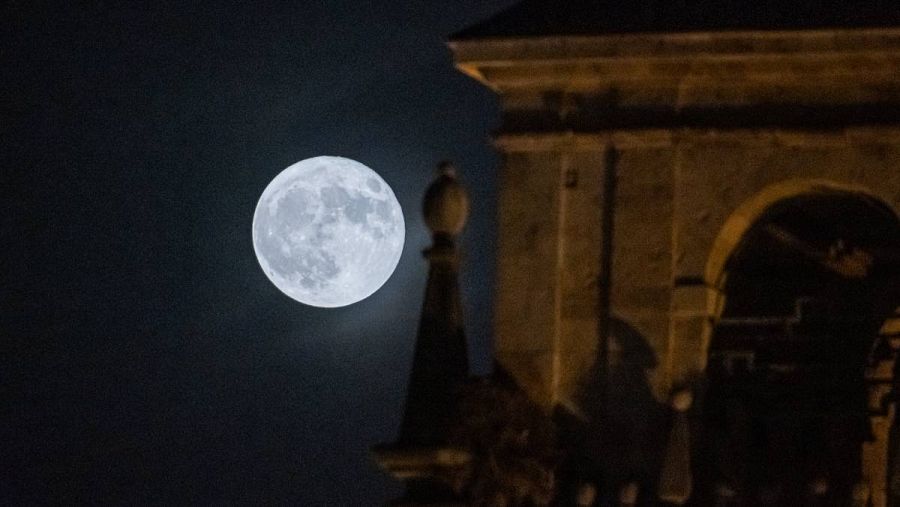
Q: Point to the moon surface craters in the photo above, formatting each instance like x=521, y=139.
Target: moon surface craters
x=328, y=231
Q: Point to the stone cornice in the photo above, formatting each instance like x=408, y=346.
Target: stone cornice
x=498, y=51
x=662, y=138
x=660, y=59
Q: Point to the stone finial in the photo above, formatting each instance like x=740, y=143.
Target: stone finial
x=586, y=496
x=676, y=480
x=628, y=495
x=682, y=400
x=446, y=205
x=421, y=455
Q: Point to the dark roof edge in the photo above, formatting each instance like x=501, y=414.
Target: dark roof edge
x=543, y=18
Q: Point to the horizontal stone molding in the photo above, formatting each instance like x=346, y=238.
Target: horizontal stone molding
x=596, y=75
x=505, y=51
x=649, y=138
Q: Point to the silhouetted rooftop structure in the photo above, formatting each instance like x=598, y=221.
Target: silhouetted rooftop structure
x=421, y=455
x=532, y=18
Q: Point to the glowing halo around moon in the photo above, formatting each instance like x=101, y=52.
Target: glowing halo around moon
x=328, y=231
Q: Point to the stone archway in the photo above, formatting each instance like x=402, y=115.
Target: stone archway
x=748, y=213
x=795, y=365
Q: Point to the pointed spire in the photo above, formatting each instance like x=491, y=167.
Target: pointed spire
x=440, y=362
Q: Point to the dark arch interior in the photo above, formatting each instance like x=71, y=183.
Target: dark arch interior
x=804, y=246
x=806, y=293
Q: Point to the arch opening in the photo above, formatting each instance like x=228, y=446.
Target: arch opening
x=802, y=293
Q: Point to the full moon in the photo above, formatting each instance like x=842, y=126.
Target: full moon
x=328, y=231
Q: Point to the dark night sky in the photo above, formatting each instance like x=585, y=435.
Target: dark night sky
x=148, y=359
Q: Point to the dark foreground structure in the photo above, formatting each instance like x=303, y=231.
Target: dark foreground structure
x=698, y=265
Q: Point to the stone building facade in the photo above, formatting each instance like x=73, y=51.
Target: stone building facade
x=710, y=211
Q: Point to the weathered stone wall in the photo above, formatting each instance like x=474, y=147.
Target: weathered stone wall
x=718, y=174
x=528, y=279
x=642, y=254
x=582, y=198
x=700, y=123
x=551, y=239
x=673, y=196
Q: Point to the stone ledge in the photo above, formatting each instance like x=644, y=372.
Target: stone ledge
x=503, y=51
x=405, y=463
x=662, y=138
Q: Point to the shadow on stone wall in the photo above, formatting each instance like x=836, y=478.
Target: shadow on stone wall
x=620, y=435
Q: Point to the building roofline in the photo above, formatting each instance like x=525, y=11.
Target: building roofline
x=539, y=18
